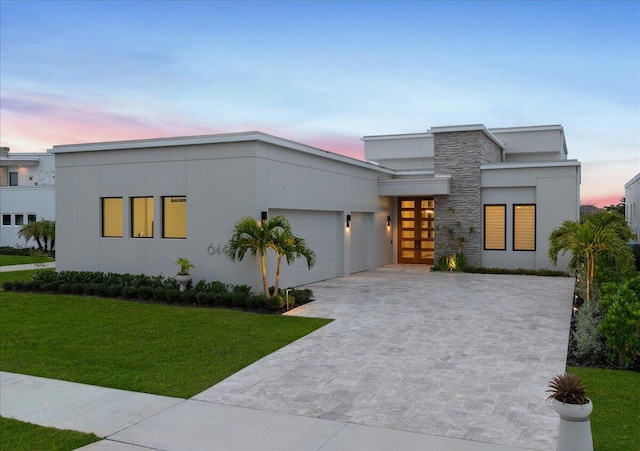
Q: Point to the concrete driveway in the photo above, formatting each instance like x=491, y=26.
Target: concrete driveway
x=457, y=355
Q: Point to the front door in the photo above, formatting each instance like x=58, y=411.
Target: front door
x=416, y=231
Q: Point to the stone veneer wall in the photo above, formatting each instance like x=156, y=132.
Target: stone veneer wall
x=460, y=155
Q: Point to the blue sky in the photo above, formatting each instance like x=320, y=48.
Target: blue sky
x=325, y=73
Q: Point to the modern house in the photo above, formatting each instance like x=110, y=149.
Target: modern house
x=632, y=202
x=27, y=192
x=494, y=194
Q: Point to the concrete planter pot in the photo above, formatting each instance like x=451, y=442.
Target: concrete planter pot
x=183, y=280
x=574, y=432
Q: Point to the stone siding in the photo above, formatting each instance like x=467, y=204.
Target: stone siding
x=491, y=152
x=459, y=214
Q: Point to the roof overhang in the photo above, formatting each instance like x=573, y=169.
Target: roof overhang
x=213, y=139
x=30, y=162
x=414, y=185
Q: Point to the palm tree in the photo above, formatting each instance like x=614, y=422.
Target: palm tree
x=48, y=234
x=32, y=231
x=255, y=237
x=585, y=239
x=290, y=247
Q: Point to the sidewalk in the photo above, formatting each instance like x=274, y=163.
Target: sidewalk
x=132, y=421
x=11, y=268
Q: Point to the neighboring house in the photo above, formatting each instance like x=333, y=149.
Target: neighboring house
x=632, y=202
x=136, y=206
x=588, y=210
x=27, y=192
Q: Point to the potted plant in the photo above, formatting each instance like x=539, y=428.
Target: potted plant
x=568, y=398
x=183, y=277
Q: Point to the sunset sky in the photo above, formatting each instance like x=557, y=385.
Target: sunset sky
x=325, y=73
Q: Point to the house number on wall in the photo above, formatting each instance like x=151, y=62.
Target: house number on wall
x=213, y=250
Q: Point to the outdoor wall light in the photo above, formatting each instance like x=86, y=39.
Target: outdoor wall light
x=389, y=221
x=264, y=216
x=348, y=221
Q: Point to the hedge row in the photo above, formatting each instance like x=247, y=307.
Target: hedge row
x=158, y=289
x=24, y=251
x=519, y=271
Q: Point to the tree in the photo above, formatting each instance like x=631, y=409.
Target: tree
x=290, y=247
x=43, y=232
x=617, y=208
x=30, y=231
x=587, y=238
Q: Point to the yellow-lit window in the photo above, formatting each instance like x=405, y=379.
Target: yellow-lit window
x=112, y=217
x=174, y=217
x=142, y=217
x=495, y=225
x=524, y=227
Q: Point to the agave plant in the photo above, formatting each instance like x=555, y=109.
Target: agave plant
x=568, y=389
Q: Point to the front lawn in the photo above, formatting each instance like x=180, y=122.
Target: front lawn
x=160, y=349
x=12, y=276
x=6, y=260
x=615, y=421
x=18, y=436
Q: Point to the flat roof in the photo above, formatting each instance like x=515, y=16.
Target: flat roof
x=213, y=139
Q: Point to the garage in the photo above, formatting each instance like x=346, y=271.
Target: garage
x=323, y=231
x=360, y=230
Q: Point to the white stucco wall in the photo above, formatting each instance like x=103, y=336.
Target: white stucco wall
x=25, y=200
x=632, y=203
x=554, y=190
x=223, y=182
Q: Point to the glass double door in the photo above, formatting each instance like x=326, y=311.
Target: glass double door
x=416, y=230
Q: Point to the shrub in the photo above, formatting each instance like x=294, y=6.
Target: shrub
x=589, y=340
x=257, y=301
x=441, y=263
x=159, y=294
x=8, y=286
x=243, y=289
x=114, y=291
x=302, y=296
x=621, y=326
x=222, y=299
x=64, y=288
x=77, y=288
x=172, y=296
x=275, y=302
x=458, y=262
x=202, y=298
x=130, y=293
x=239, y=299
x=217, y=287
x=188, y=296
x=145, y=292
x=91, y=289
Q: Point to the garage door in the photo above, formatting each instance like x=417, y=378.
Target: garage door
x=360, y=243
x=323, y=231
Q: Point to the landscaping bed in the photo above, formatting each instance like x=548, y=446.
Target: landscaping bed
x=157, y=289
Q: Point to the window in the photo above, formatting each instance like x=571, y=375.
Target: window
x=112, y=217
x=524, y=227
x=142, y=217
x=495, y=225
x=6, y=220
x=13, y=179
x=174, y=217
x=31, y=218
x=18, y=219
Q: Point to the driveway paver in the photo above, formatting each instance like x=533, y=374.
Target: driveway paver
x=466, y=356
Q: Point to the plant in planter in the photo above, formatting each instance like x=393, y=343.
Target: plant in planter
x=569, y=400
x=183, y=277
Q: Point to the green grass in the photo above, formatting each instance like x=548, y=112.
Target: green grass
x=18, y=436
x=19, y=275
x=6, y=260
x=615, y=421
x=160, y=349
